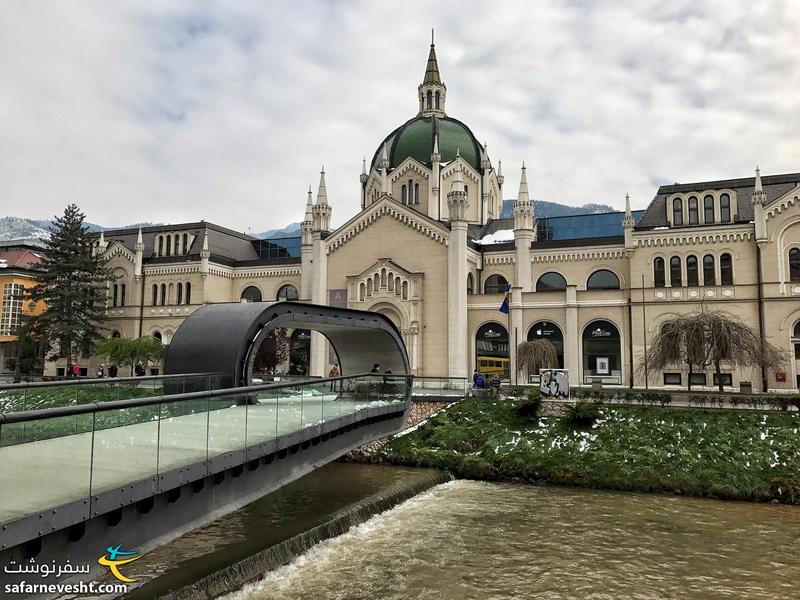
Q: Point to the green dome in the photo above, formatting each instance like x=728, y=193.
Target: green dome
x=415, y=138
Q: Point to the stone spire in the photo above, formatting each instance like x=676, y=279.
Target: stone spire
x=363, y=177
x=500, y=178
x=101, y=244
x=485, y=163
x=308, y=220
x=457, y=200
x=759, y=195
x=523, y=207
x=322, y=211
x=137, y=263
x=385, y=169
x=432, y=91
x=435, y=155
x=627, y=225
x=205, y=254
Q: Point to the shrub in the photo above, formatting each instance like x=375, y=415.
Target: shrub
x=583, y=414
x=530, y=407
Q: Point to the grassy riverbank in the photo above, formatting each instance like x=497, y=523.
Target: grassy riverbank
x=736, y=455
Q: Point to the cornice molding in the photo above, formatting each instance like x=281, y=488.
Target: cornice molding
x=573, y=255
x=790, y=198
x=499, y=259
x=672, y=238
x=385, y=206
x=162, y=270
x=266, y=272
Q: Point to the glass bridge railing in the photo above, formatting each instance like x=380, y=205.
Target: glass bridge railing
x=50, y=458
x=53, y=394
x=455, y=387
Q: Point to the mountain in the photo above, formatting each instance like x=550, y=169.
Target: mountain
x=554, y=209
x=291, y=230
x=18, y=228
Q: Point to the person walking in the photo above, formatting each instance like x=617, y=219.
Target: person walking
x=100, y=372
x=334, y=372
x=112, y=371
x=139, y=370
x=68, y=370
x=76, y=370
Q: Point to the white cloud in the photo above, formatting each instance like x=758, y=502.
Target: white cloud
x=225, y=111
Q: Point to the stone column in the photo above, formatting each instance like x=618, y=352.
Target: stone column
x=515, y=332
x=457, y=299
x=319, y=292
x=572, y=337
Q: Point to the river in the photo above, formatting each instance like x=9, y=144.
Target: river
x=466, y=539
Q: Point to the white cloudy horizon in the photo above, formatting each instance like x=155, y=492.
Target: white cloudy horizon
x=179, y=111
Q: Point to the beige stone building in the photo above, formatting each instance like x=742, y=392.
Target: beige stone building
x=428, y=248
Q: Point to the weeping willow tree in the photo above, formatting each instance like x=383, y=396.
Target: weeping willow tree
x=707, y=339
x=535, y=355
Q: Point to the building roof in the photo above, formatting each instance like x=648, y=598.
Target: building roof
x=20, y=258
x=775, y=186
x=414, y=138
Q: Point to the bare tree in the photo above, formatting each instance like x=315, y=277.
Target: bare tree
x=707, y=339
x=535, y=355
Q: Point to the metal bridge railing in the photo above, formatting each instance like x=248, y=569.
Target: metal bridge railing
x=71, y=454
x=19, y=397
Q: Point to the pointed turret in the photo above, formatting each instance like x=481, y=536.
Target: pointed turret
x=137, y=263
x=500, y=178
x=205, y=254
x=628, y=223
x=308, y=220
x=523, y=207
x=432, y=91
x=101, y=243
x=322, y=211
x=364, y=176
x=759, y=195
x=524, y=233
x=457, y=200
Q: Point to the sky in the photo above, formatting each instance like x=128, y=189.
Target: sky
x=171, y=111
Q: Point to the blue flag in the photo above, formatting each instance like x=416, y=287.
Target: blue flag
x=504, y=307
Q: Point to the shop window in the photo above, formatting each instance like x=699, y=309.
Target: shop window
x=495, y=284
x=672, y=379
x=726, y=378
x=551, y=281
x=602, y=356
x=547, y=330
x=491, y=350
x=697, y=378
x=602, y=280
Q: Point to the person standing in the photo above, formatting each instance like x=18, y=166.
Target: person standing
x=68, y=370
x=76, y=370
x=100, y=372
x=139, y=370
x=112, y=371
x=334, y=372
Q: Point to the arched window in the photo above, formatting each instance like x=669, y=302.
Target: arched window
x=157, y=335
x=160, y=246
x=155, y=295
x=692, y=275
x=491, y=350
x=659, y=274
x=177, y=244
x=724, y=208
x=185, y=244
x=251, y=294
x=794, y=264
x=114, y=295
x=466, y=190
x=545, y=330
x=179, y=294
x=116, y=334
x=429, y=96
x=122, y=293
x=602, y=280
x=470, y=284
x=601, y=352
x=693, y=212
x=287, y=292
x=169, y=245
x=495, y=284
x=709, y=271
x=677, y=211
x=163, y=293
x=437, y=100
x=726, y=269
x=188, y=293
x=708, y=209
x=404, y=194
x=675, y=272
x=416, y=193
x=551, y=281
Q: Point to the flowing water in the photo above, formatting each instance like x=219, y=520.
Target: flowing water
x=468, y=539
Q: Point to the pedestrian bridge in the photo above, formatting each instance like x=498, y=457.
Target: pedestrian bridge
x=140, y=460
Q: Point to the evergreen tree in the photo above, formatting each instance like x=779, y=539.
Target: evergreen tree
x=73, y=288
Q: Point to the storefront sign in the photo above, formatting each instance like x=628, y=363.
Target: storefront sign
x=600, y=332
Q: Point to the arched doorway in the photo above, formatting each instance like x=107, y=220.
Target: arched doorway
x=602, y=355
x=491, y=350
x=547, y=330
x=299, y=352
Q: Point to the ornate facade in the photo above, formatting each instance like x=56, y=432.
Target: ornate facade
x=429, y=249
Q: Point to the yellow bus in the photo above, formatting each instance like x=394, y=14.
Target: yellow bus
x=493, y=365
